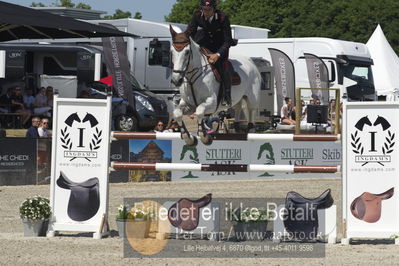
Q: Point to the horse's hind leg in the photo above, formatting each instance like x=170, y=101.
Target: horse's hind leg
x=250, y=114
x=185, y=134
x=251, y=120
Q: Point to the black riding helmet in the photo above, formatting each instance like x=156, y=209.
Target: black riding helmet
x=208, y=3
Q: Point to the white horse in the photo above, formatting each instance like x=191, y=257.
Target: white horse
x=199, y=88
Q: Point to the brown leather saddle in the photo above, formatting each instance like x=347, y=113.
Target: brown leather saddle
x=301, y=217
x=84, y=200
x=184, y=214
x=235, y=79
x=367, y=207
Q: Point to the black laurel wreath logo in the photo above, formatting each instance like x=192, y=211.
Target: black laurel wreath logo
x=389, y=143
x=65, y=139
x=95, y=142
x=356, y=144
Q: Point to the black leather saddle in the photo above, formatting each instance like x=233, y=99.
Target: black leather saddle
x=187, y=206
x=84, y=200
x=301, y=217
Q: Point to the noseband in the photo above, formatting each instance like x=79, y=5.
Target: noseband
x=179, y=46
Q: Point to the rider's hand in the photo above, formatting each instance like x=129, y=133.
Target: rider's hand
x=213, y=58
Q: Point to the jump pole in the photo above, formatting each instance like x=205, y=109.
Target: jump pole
x=115, y=135
x=226, y=167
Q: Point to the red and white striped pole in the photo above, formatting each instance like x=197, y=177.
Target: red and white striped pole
x=228, y=137
x=226, y=167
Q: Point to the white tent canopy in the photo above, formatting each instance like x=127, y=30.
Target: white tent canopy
x=386, y=65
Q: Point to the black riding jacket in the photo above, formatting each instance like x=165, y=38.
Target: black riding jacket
x=216, y=36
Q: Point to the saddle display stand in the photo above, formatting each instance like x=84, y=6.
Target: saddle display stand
x=201, y=227
x=368, y=208
x=327, y=225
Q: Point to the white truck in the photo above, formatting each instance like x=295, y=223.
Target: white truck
x=148, y=54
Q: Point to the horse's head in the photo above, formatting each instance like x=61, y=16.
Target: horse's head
x=180, y=52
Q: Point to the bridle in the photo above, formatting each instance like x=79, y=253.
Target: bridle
x=179, y=46
x=195, y=73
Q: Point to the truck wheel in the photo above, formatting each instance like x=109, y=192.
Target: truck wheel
x=126, y=123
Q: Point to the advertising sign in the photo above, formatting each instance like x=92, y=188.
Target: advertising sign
x=370, y=169
x=80, y=161
x=18, y=161
x=254, y=152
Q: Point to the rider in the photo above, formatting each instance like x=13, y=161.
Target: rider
x=215, y=36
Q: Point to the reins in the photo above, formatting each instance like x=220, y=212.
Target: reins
x=179, y=46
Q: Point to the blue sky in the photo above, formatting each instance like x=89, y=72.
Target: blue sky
x=153, y=10
x=138, y=145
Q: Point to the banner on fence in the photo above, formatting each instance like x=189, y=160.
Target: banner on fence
x=254, y=152
x=18, y=161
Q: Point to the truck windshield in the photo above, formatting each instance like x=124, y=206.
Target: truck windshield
x=358, y=73
x=364, y=89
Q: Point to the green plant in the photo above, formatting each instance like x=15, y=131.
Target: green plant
x=250, y=215
x=138, y=214
x=127, y=213
x=35, y=208
x=122, y=212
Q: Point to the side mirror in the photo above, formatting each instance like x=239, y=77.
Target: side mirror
x=165, y=54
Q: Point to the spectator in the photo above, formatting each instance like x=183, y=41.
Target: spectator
x=331, y=110
x=43, y=128
x=50, y=96
x=5, y=101
x=303, y=108
x=173, y=126
x=159, y=127
x=41, y=104
x=17, y=105
x=29, y=100
x=32, y=132
x=286, y=111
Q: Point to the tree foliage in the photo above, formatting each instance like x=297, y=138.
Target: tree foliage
x=38, y=4
x=119, y=14
x=83, y=6
x=353, y=20
x=63, y=3
x=137, y=15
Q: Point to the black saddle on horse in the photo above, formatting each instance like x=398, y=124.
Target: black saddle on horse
x=189, y=220
x=84, y=200
x=301, y=217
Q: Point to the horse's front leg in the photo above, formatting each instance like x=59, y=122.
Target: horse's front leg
x=209, y=106
x=185, y=135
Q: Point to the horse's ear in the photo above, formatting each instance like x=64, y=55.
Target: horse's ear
x=172, y=31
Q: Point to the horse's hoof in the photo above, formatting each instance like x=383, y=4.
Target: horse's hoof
x=191, y=141
x=206, y=140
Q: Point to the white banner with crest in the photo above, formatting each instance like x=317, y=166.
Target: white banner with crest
x=80, y=161
x=371, y=169
x=254, y=152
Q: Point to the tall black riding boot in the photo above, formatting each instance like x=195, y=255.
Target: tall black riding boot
x=226, y=101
